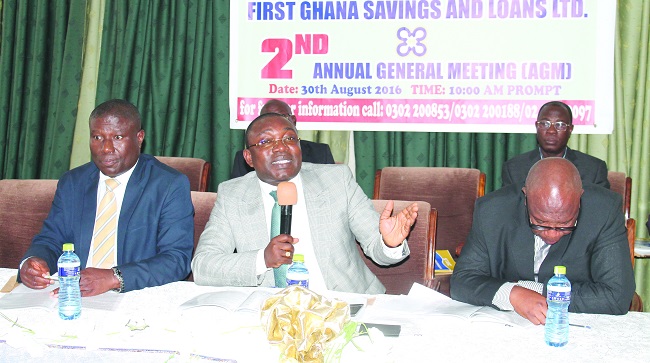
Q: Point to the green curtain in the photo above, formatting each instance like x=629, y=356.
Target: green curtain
x=170, y=58
x=629, y=146
x=40, y=64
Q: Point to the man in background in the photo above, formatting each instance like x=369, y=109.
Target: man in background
x=519, y=234
x=239, y=247
x=312, y=152
x=554, y=126
x=129, y=216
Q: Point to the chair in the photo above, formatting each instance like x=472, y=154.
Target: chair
x=630, y=225
x=451, y=191
x=203, y=203
x=622, y=185
x=24, y=205
x=197, y=170
x=420, y=264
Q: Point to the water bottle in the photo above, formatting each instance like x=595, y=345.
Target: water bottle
x=69, y=293
x=297, y=274
x=558, y=298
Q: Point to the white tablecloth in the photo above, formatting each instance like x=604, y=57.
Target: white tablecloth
x=149, y=326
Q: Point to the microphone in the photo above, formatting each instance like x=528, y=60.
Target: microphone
x=287, y=197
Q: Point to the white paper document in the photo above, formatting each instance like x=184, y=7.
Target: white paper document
x=24, y=297
x=424, y=301
x=232, y=300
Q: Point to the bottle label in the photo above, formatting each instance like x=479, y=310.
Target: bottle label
x=559, y=294
x=303, y=283
x=68, y=270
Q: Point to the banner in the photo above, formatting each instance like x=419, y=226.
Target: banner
x=435, y=65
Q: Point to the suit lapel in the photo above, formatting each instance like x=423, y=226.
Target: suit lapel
x=317, y=205
x=523, y=249
x=256, y=233
x=88, y=213
x=133, y=193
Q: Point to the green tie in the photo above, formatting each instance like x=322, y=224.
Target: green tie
x=280, y=273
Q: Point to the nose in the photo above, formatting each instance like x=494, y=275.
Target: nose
x=552, y=237
x=552, y=127
x=279, y=143
x=108, y=146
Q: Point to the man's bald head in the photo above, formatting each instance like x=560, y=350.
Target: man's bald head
x=280, y=107
x=553, y=190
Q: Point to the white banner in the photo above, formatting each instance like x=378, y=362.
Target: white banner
x=438, y=65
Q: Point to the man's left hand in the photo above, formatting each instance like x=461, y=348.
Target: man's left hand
x=95, y=281
x=396, y=228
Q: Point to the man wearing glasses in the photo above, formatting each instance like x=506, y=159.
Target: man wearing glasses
x=554, y=125
x=312, y=152
x=519, y=234
x=240, y=247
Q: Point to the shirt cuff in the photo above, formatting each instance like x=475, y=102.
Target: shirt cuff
x=260, y=265
x=531, y=285
x=502, y=297
x=394, y=252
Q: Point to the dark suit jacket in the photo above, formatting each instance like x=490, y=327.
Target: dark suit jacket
x=591, y=169
x=155, y=230
x=312, y=152
x=500, y=249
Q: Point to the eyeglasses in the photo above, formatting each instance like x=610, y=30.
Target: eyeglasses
x=537, y=227
x=288, y=141
x=545, y=125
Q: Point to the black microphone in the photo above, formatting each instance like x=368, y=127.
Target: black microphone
x=287, y=197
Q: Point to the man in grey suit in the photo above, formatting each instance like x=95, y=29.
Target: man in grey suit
x=332, y=211
x=519, y=234
x=554, y=126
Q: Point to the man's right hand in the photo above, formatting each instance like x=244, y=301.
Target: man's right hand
x=529, y=304
x=34, y=273
x=279, y=251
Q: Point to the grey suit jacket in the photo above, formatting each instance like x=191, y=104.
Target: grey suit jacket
x=500, y=249
x=591, y=169
x=338, y=212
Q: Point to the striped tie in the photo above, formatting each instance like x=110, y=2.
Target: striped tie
x=104, y=235
x=279, y=273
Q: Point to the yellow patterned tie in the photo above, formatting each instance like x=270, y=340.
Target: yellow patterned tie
x=104, y=235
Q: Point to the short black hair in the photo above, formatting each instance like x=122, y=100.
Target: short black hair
x=259, y=118
x=120, y=108
x=558, y=104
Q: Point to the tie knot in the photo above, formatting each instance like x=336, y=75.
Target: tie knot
x=111, y=184
x=274, y=194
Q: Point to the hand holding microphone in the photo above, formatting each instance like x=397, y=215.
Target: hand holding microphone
x=280, y=250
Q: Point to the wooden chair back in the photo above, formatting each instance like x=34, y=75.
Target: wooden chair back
x=203, y=203
x=419, y=266
x=451, y=191
x=622, y=185
x=24, y=205
x=197, y=170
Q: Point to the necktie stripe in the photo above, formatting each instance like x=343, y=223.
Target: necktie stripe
x=104, y=234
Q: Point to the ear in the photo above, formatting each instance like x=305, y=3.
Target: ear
x=248, y=157
x=140, y=136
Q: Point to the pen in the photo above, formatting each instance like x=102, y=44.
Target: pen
x=51, y=277
x=581, y=326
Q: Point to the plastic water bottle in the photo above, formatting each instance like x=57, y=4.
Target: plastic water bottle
x=69, y=293
x=558, y=298
x=297, y=274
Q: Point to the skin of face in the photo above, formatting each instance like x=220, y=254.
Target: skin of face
x=556, y=211
x=114, y=144
x=280, y=162
x=551, y=141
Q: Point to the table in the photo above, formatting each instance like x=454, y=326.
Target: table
x=148, y=327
